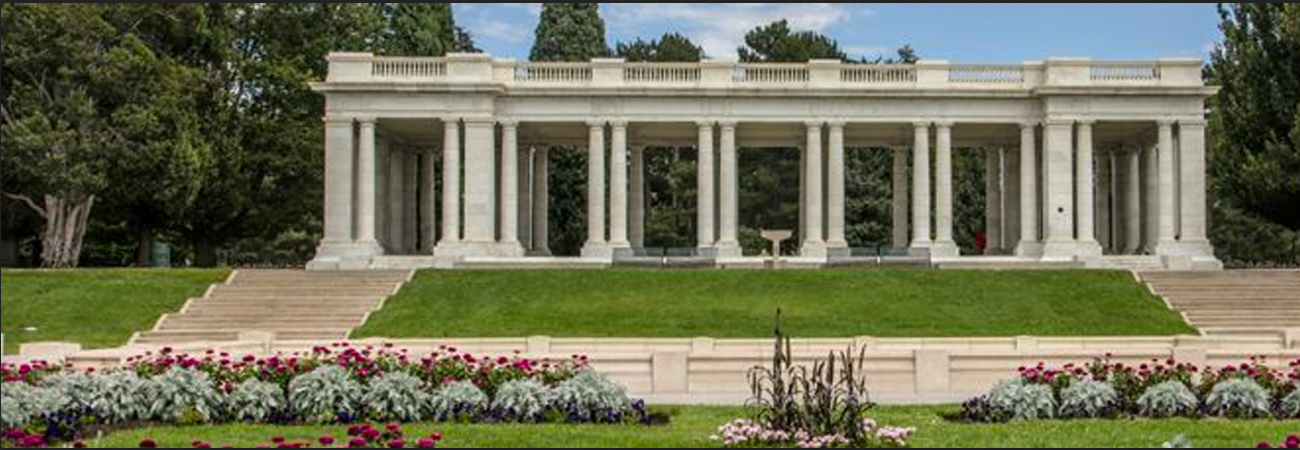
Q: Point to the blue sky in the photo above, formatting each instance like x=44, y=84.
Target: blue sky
x=991, y=33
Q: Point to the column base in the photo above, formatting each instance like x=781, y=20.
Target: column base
x=597, y=250
x=539, y=252
x=335, y=255
x=1029, y=249
x=813, y=249
x=1088, y=248
x=728, y=250
x=944, y=249
x=838, y=249
x=462, y=249
x=1060, y=250
x=920, y=248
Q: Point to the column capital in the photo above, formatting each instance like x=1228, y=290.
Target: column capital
x=729, y=123
x=508, y=122
x=921, y=124
x=450, y=120
x=1166, y=122
x=1029, y=124
x=944, y=123
x=618, y=123
x=1197, y=122
x=704, y=123
x=335, y=119
x=1058, y=123
x=479, y=121
x=813, y=123
x=593, y=123
x=365, y=120
x=836, y=123
x=1086, y=122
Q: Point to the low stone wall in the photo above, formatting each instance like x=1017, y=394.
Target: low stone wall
x=714, y=371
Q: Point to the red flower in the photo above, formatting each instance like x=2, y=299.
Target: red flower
x=148, y=443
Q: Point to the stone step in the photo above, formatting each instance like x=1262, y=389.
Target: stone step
x=278, y=309
x=169, y=337
x=311, y=277
x=302, y=290
x=291, y=298
x=258, y=326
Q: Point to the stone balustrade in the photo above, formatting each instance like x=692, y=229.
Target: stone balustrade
x=816, y=74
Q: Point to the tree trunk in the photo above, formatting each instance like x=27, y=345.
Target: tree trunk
x=65, y=227
x=205, y=254
x=144, y=249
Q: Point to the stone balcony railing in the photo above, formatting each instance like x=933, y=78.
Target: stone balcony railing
x=366, y=68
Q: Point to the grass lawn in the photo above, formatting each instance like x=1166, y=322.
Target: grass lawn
x=732, y=304
x=94, y=307
x=692, y=426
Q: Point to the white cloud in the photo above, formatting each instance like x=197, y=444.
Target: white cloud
x=721, y=28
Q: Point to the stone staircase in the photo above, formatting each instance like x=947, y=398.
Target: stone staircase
x=292, y=304
x=1228, y=302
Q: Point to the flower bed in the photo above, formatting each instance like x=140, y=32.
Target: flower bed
x=336, y=384
x=1159, y=389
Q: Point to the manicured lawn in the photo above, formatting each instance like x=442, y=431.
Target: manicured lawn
x=692, y=426
x=730, y=304
x=95, y=307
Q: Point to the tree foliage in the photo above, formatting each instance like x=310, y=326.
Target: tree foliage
x=424, y=29
x=671, y=47
x=569, y=32
x=1254, y=154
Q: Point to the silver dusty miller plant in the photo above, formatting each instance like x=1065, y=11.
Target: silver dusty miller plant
x=1168, y=399
x=1017, y=400
x=521, y=400
x=324, y=394
x=256, y=401
x=1241, y=398
x=1088, y=399
x=395, y=397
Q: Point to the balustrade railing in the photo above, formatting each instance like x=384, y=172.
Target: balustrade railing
x=553, y=72
x=393, y=67
x=661, y=73
x=877, y=74
x=770, y=73
x=1125, y=72
x=986, y=74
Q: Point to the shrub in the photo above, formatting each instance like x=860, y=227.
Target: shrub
x=256, y=401
x=1015, y=399
x=77, y=387
x=1241, y=398
x=1290, y=407
x=395, y=397
x=184, y=396
x=521, y=400
x=1087, y=399
x=459, y=401
x=120, y=397
x=324, y=395
x=590, y=397
x=1168, y=399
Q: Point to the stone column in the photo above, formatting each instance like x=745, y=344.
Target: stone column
x=541, y=202
x=396, y=200
x=1167, y=202
x=814, y=245
x=1132, y=201
x=480, y=184
x=1150, y=198
x=704, y=203
x=524, y=184
x=366, y=213
x=1084, y=222
x=1029, y=244
x=728, y=242
x=1058, y=182
x=943, y=212
x=1191, y=146
x=921, y=238
x=1102, y=203
x=509, y=204
x=596, y=242
x=836, y=243
x=993, y=201
x=339, y=156
x=636, y=199
x=1010, y=200
x=900, y=200
x=426, y=207
x=803, y=192
x=618, y=189
x=451, y=181
x=411, y=207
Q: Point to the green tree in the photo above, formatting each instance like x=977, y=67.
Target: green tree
x=569, y=32
x=671, y=47
x=424, y=29
x=775, y=42
x=1254, y=128
x=74, y=131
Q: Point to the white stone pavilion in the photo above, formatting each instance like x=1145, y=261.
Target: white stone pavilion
x=1098, y=163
